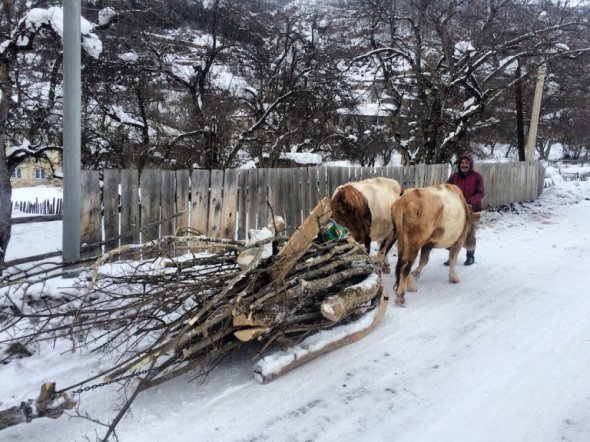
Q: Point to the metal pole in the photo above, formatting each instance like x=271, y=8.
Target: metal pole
x=536, y=111
x=71, y=131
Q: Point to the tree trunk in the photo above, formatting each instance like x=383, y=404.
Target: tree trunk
x=519, y=116
x=5, y=186
x=5, y=203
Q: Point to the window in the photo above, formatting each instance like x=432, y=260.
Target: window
x=39, y=174
x=16, y=173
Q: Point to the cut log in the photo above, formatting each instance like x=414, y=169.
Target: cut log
x=275, y=365
x=248, y=334
x=299, y=242
x=49, y=404
x=335, y=307
x=15, y=415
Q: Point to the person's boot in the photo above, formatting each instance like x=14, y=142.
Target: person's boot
x=470, y=257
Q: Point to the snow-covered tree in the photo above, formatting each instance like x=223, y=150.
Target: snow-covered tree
x=30, y=90
x=446, y=61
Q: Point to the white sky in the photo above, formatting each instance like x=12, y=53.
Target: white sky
x=502, y=356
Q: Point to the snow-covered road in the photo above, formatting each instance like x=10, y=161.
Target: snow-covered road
x=502, y=356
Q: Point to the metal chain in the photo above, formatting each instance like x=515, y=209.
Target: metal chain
x=133, y=374
x=27, y=407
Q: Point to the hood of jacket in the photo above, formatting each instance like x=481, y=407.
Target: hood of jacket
x=469, y=157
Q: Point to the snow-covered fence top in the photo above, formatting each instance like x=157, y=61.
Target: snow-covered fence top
x=226, y=203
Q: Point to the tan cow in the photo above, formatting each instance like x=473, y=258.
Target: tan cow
x=432, y=217
x=364, y=208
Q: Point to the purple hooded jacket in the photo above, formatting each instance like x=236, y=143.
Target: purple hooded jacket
x=470, y=183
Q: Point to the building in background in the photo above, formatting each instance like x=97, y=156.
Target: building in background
x=33, y=172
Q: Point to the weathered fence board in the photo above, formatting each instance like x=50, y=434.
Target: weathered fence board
x=228, y=203
x=110, y=201
x=242, y=203
x=130, y=206
x=229, y=209
x=200, y=200
x=182, y=198
x=90, y=222
x=260, y=208
x=150, y=196
x=168, y=202
x=215, y=203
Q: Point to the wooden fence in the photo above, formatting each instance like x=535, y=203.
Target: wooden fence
x=52, y=206
x=227, y=203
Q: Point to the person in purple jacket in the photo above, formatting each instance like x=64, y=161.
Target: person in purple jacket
x=471, y=184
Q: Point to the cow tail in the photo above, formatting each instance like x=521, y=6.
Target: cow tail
x=398, y=218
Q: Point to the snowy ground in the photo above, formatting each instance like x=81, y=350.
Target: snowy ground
x=502, y=356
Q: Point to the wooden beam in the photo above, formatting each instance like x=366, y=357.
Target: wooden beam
x=300, y=241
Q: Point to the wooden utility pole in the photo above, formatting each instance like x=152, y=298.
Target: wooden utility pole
x=532, y=138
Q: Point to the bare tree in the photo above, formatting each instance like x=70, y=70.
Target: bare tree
x=451, y=59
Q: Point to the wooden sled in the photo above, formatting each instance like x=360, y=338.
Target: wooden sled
x=270, y=367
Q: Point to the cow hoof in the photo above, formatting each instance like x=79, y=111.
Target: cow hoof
x=386, y=270
x=454, y=280
x=416, y=274
x=400, y=301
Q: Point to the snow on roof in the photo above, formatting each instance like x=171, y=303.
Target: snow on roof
x=302, y=157
x=370, y=109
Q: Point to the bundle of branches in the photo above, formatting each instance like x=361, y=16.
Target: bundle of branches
x=191, y=303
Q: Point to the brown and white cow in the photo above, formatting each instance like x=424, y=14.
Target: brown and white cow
x=427, y=218
x=364, y=208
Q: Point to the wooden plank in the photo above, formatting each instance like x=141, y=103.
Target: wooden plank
x=242, y=203
x=199, y=210
x=397, y=173
x=168, y=203
x=260, y=206
x=129, y=206
x=323, y=183
x=90, y=221
x=182, y=198
x=215, y=204
x=304, y=192
x=313, y=189
x=292, y=197
x=252, y=197
x=296, y=177
x=420, y=175
x=110, y=200
x=276, y=200
x=150, y=197
x=378, y=171
x=229, y=209
x=343, y=177
x=299, y=242
x=366, y=172
x=333, y=175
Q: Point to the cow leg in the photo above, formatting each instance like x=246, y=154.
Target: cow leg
x=424, y=256
x=453, y=255
x=404, y=274
x=384, y=249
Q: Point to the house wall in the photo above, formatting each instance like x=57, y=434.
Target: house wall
x=28, y=171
